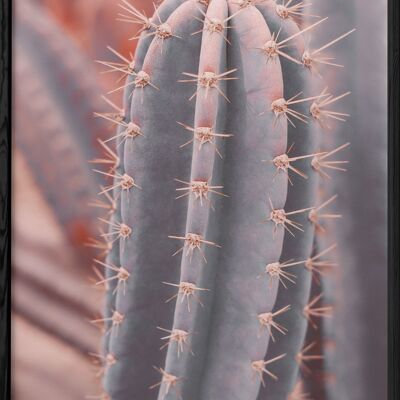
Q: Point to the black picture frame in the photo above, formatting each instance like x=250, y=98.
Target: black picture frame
x=5, y=199
x=393, y=328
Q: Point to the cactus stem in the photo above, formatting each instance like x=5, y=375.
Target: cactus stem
x=168, y=380
x=279, y=217
x=209, y=80
x=259, y=367
x=121, y=274
x=276, y=271
x=204, y=135
x=120, y=230
x=309, y=58
x=319, y=162
x=302, y=358
x=267, y=321
x=193, y=241
x=314, y=217
x=178, y=336
x=200, y=189
x=210, y=83
x=310, y=312
x=186, y=290
x=322, y=116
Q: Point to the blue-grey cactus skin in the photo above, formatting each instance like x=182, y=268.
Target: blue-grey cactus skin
x=300, y=195
x=113, y=257
x=214, y=344
x=238, y=295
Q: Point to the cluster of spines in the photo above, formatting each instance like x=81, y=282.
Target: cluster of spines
x=200, y=188
x=54, y=64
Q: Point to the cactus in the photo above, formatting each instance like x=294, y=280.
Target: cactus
x=48, y=64
x=350, y=346
x=217, y=205
x=55, y=134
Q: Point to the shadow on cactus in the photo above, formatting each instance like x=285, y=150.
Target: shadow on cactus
x=217, y=203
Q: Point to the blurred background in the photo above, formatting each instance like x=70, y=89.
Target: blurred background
x=58, y=86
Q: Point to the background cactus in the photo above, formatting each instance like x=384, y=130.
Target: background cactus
x=216, y=88
x=350, y=344
x=54, y=136
x=59, y=122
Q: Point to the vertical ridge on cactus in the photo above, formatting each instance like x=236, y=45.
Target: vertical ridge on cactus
x=199, y=219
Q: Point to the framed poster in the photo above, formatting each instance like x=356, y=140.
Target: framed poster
x=199, y=200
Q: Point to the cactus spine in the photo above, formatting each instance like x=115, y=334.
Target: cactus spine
x=219, y=164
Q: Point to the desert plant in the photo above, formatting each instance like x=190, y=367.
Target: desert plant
x=217, y=205
x=54, y=94
x=54, y=135
x=350, y=344
x=48, y=64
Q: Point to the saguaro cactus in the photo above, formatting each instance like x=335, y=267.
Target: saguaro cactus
x=217, y=203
